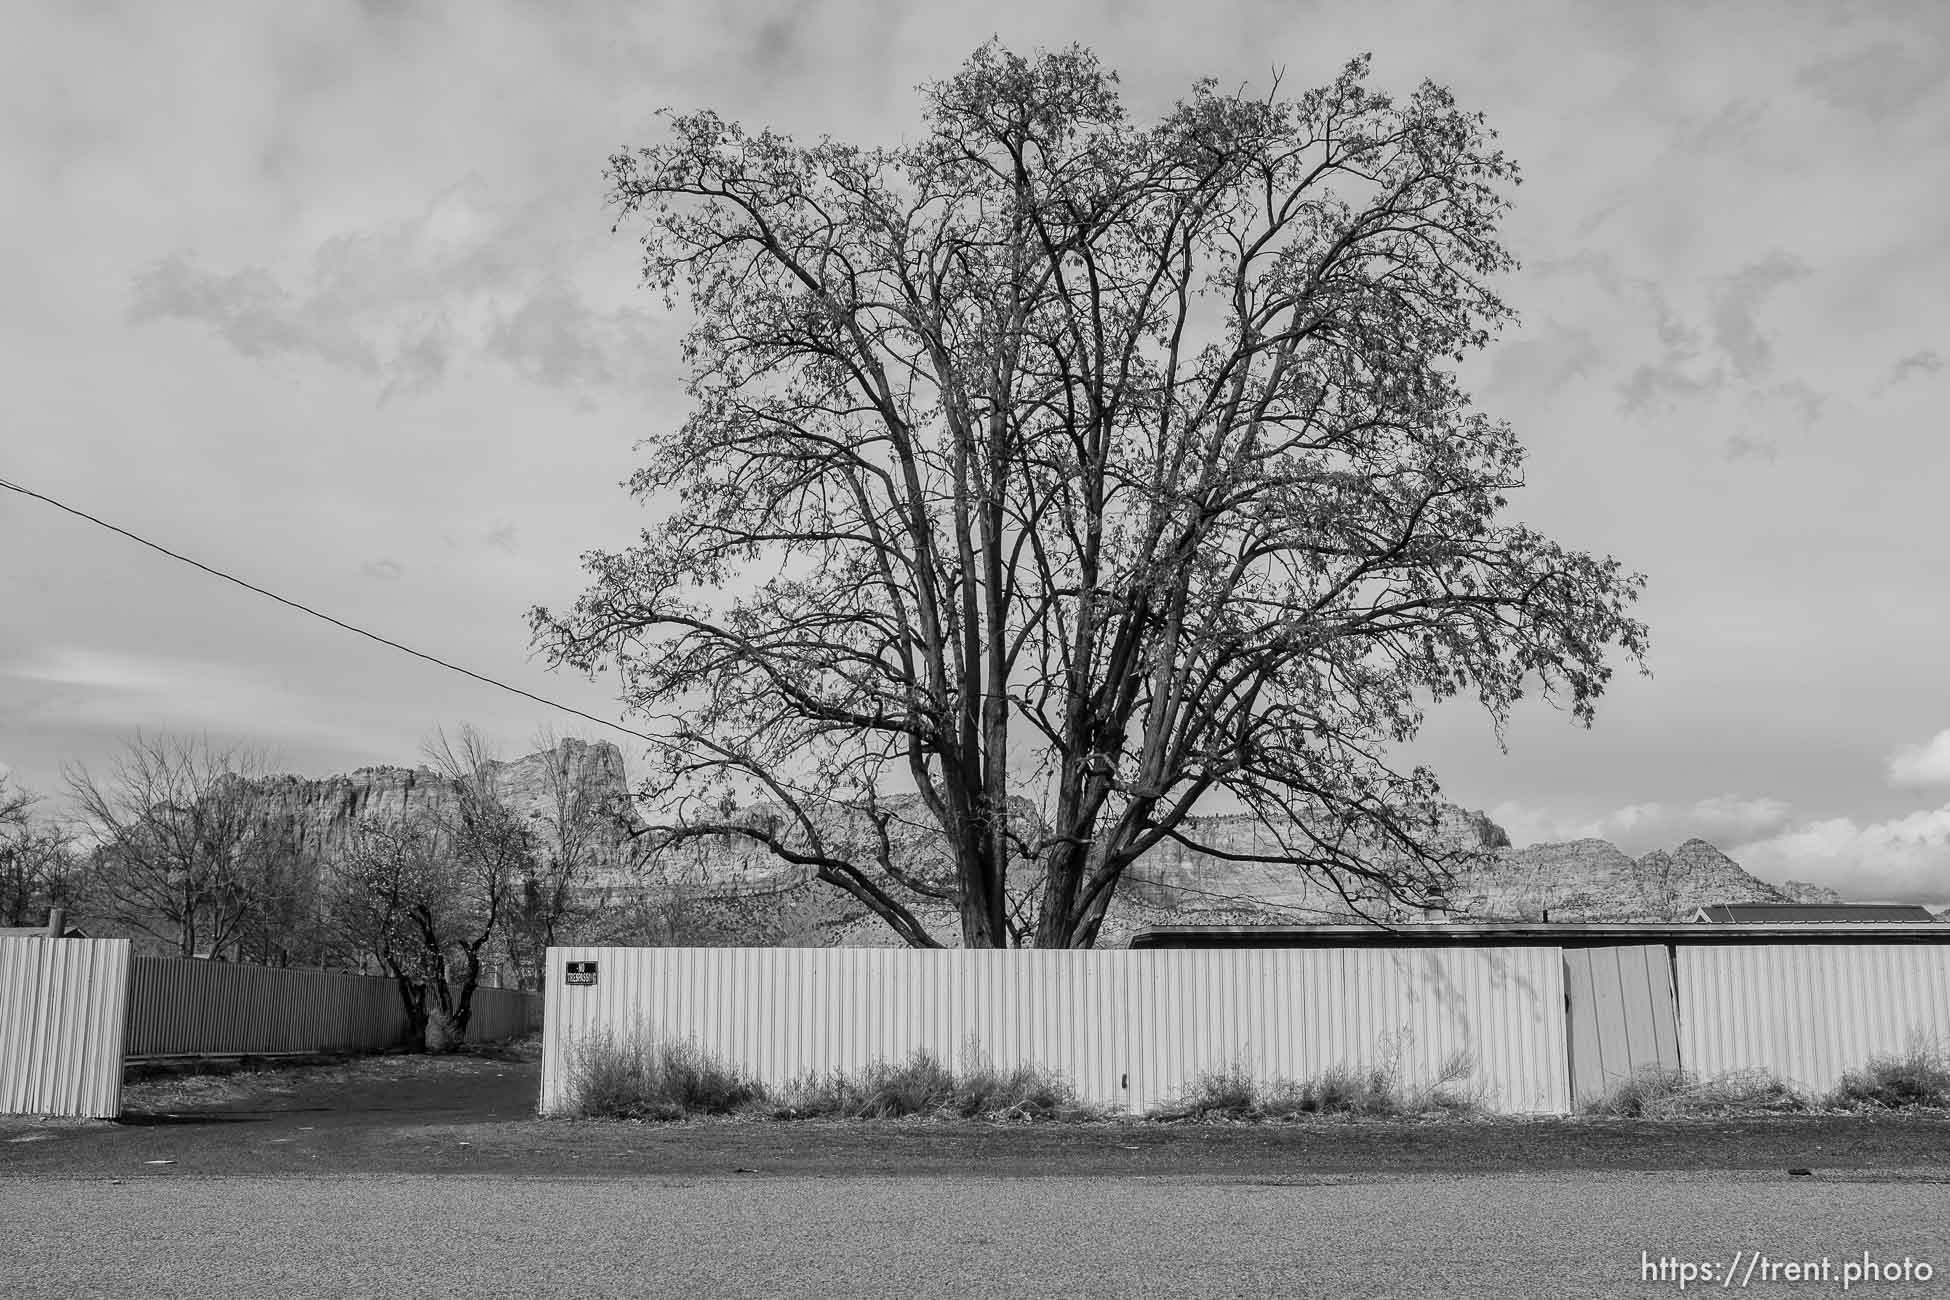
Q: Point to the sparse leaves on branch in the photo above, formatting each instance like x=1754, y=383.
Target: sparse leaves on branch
x=1117, y=466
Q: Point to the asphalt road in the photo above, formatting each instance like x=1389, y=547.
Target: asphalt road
x=1420, y=1235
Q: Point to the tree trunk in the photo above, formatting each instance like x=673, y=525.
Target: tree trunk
x=412, y=996
x=443, y=1032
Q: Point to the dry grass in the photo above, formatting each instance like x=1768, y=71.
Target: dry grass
x=922, y=1085
x=1659, y=1093
x=1378, y=1092
x=640, y=1079
x=1919, y=1078
x=643, y=1080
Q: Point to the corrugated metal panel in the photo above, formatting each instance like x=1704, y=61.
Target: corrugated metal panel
x=1128, y=1028
x=1295, y=1014
x=500, y=1014
x=1622, y=1016
x=1808, y=1015
x=62, y=1009
x=183, y=1007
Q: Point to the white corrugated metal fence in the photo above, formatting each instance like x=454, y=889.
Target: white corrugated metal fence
x=1809, y=1013
x=1129, y=1028
x=62, y=1007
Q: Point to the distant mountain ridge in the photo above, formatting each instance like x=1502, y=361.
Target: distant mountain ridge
x=1587, y=879
x=318, y=815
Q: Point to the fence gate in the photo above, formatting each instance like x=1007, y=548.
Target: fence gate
x=1620, y=1016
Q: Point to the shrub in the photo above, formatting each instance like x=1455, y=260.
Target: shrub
x=1656, y=1092
x=1920, y=1078
x=1336, y=1092
x=917, y=1086
x=1377, y=1092
x=635, y=1079
x=922, y=1085
x=883, y=1090
x=1230, y=1093
x=1024, y=1092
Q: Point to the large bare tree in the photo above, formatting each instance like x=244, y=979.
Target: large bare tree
x=1119, y=467
x=176, y=825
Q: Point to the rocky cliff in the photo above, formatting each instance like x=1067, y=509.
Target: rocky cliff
x=318, y=815
x=1588, y=880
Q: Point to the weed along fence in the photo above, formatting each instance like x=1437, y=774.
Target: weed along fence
x=1127, y=1029
x=73, y=1011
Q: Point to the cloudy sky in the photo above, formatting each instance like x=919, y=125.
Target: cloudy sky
x=327, y=296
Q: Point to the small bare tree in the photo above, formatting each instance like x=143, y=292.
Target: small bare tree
x=425, y=897
x=40, y=868
x=568, y=831
x=388, y=897
x=286, y=924
x=176, y=824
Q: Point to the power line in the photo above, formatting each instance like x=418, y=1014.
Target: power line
x=661, y=742
x=340, y=623
x=302, y=608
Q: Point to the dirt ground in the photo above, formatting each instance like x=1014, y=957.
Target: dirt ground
x=474, y=1114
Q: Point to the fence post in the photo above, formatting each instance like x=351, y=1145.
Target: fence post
x=57, y=922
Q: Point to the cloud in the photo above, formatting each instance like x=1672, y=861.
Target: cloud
x=1659, y=385
x=1742, y=447
x=775, y=45
x=1737, y=299
x=119, y=692
x=556, y=339
x=1880, y=81
x=1547, y=361
x=384, y=568
x=1677, y=374
x=1906, y=859
x=1925, y=362
x=1697, y=362
x=1733, y=124
x=402, y=302
x=1640, y=827
x=1802, y=401
x=1526, y=825
x=420, y=363
x=1727, y=816
x=251, y=312
x=1924, y=764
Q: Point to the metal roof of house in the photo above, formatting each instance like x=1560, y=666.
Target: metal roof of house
x=1518, y=934
x=1813, y=913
